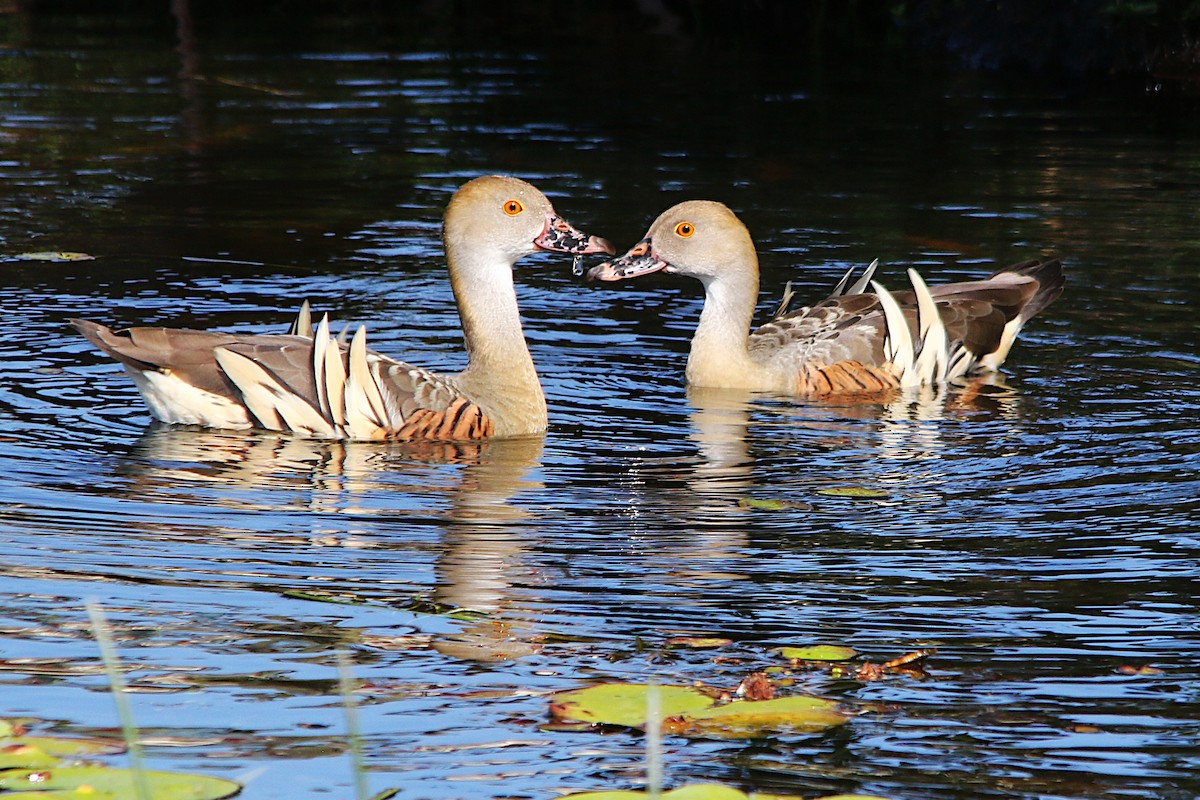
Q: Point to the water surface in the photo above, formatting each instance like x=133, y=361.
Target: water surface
x=1040, y=535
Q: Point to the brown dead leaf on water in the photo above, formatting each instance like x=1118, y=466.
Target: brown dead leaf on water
x=407, y=642
x=728, y=660
x=909, y=658
x=1142, y=671
x=756, y=686
x=910, y=664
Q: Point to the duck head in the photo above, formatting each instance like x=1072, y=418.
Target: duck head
x=700, y=238
x=509, y=215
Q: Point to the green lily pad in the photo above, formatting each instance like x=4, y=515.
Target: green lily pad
x=852, y=491
x=772, y=504
x=419, y=605
x=101, y=783
x=751, y=719
x=695, y=791
x=624, y=703
x=317, y=597
x=699, y=642
x=820, y=652
x=49, y=255
x=34, y=752
x=26, y=757
x=688, y=711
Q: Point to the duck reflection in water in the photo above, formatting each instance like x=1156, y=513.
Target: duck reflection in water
x=365, y=498
x=733, y=427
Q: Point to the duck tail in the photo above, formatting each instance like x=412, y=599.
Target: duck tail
x=1049, y=275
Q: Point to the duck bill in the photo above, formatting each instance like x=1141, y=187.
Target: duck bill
x=640, y=260
x=560, y=237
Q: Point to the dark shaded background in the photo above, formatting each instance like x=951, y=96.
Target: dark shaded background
x=1102, y=40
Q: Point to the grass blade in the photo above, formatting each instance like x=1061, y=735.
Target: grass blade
x=116, y=682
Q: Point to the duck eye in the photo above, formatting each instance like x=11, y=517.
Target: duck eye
x=685, y=229
x=513, y=207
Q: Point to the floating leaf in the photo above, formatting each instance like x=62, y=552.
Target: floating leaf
x=745, y=719
x=820, y=652
x=48, y=255
x=566, y=727
x=624, y=703
x=485, y=646
x=316, y=597
x=30, y=752
x=699, y=642
x=101, y=783
x=419, y=605
x=696, y=791
x=26, y=757
x=756, y=686
x=1142, y=671
x=910, y=663
x=772, y=504
x=852, y=491
x=386, y=794
x=688, y=711
x=910, y=658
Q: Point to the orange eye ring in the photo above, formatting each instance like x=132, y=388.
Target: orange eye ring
x=685, y=229
x=513, y=207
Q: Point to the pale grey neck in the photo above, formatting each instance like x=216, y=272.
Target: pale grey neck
x=720, y=342
x=491, y=319
x=500, y=376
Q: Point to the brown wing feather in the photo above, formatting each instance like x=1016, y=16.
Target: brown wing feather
x=186, y=353
x=288, y=358
x=848, y=327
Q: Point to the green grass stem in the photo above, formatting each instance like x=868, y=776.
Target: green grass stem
x=654, y=764
x=116, y=681
x=346, y=685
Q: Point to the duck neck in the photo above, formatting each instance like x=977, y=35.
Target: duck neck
x=500, y=376
x=719, y=355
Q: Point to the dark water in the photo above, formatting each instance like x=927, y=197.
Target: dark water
x=1041, y=540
